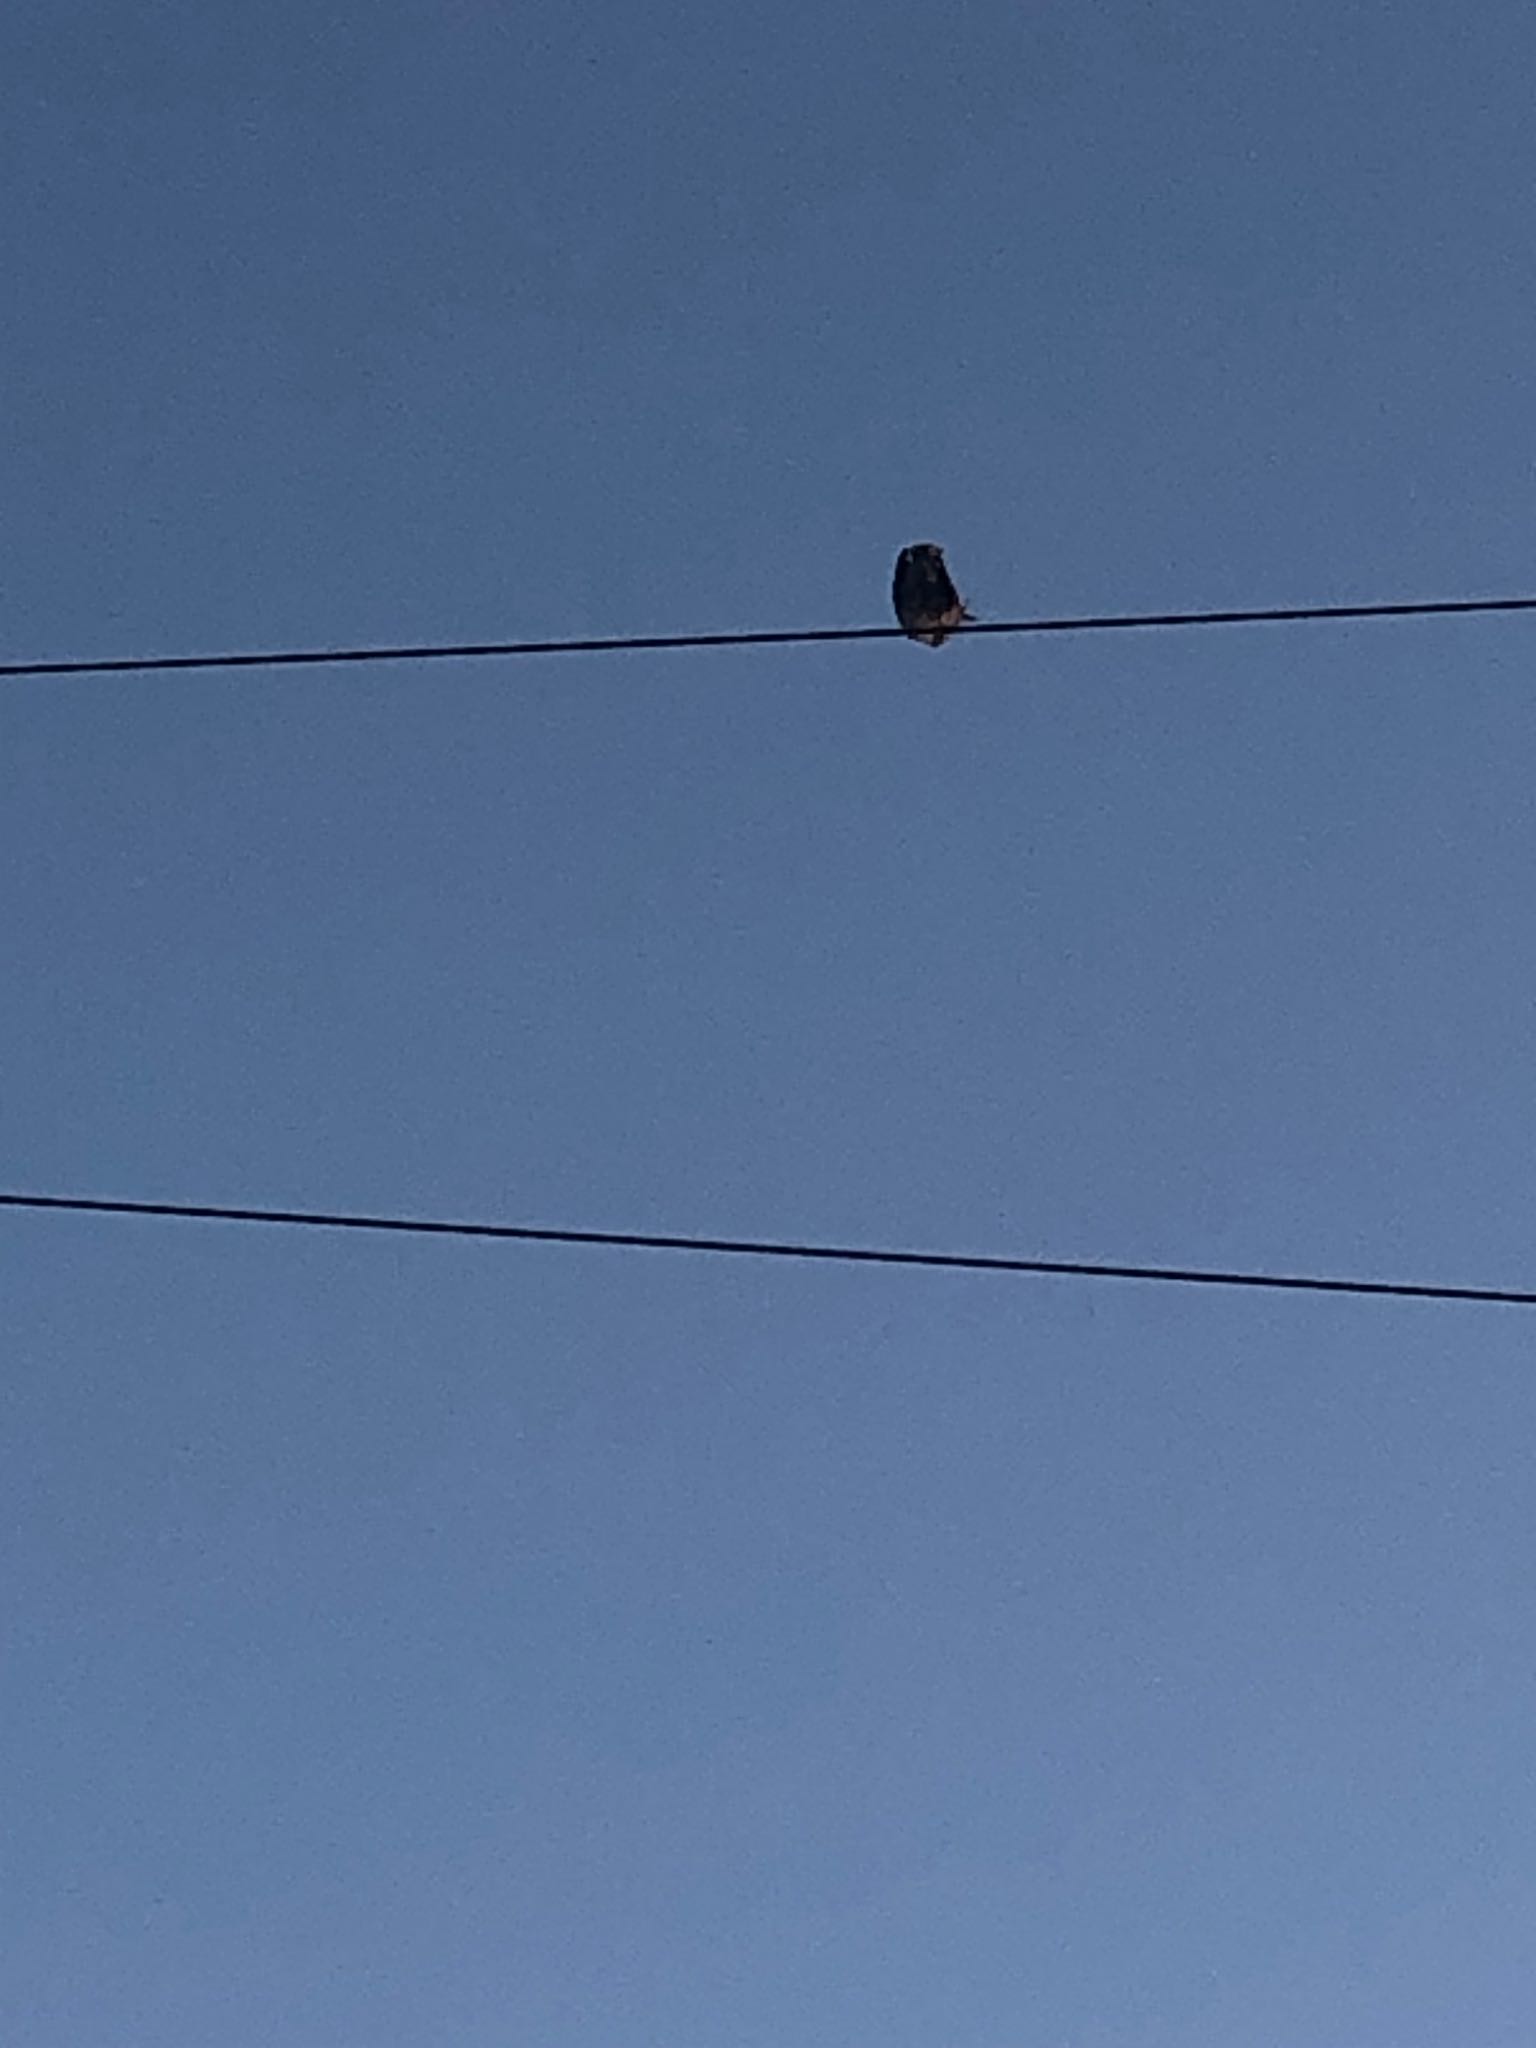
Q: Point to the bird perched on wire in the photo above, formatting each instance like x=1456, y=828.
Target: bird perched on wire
x=927, y=602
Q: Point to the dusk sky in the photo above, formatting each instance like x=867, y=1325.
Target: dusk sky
x=428, y=1644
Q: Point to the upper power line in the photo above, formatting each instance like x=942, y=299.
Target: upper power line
x=771, y=1248
x=483, y=650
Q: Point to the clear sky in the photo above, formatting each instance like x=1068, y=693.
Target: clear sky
x=430, y=1643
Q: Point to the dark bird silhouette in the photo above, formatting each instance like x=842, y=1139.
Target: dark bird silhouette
x=927, y=602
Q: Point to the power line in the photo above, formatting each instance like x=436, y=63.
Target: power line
x=761, y=1248
x=482, y=650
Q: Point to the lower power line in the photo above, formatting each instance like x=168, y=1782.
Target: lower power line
x=762, y=1248
x=642, y=643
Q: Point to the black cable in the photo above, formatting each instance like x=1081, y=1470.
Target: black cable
x=480, y=650
x=759, y=1248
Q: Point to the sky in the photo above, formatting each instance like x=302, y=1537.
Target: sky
x=432, y=1642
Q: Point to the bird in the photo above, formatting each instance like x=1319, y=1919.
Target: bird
x=927, y=602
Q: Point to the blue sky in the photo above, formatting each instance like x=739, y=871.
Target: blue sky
x=424, y=1642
